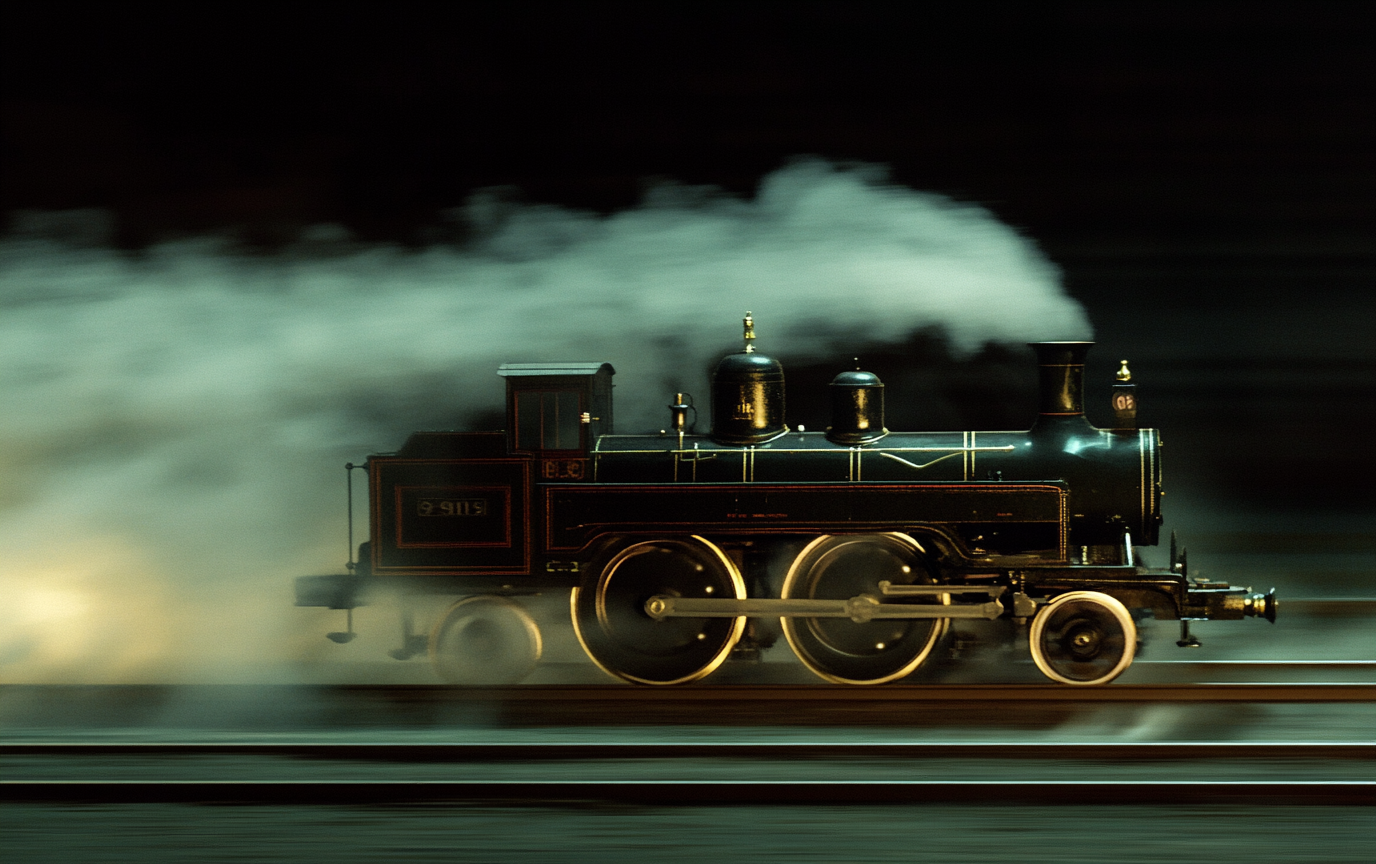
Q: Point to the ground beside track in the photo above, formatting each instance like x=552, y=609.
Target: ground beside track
x=143, y=833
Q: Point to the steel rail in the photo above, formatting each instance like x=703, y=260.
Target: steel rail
x=931, y=693
x=701, y=793
x=1152, y=751
x=820, y=692
x=1361, y=665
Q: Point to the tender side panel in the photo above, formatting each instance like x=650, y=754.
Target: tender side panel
x=450, y=516
x=577, y=513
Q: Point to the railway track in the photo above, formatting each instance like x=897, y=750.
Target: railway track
x=447, y=752
x=665, y=792
x=379, y=706
x=960, y=693
x=830, y=773
x=679, y=772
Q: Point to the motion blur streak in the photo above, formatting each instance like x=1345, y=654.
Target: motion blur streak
x=175, y=423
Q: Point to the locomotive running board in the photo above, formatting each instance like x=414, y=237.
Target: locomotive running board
x=862, y=608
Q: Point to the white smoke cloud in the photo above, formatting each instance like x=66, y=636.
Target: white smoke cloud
x=173, y=425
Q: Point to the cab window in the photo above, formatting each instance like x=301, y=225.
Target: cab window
x=547, y=420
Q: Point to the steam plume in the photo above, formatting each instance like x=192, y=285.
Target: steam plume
x=173, y=426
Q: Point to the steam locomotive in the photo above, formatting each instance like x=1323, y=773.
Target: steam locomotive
x=671, y=546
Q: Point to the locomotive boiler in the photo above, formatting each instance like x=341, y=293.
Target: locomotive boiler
x=863, y=543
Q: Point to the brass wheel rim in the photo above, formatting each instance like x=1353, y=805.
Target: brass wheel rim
x=814, y=640
x=1074, y=630
x=606, y=622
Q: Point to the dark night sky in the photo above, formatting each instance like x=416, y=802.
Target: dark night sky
x=1203, y=172
x=1167, y=123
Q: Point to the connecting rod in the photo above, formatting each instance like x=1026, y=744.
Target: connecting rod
x=861, y=608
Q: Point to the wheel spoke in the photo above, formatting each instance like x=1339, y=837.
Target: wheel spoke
x=841, y=567
x=1083, y=637
x=609, y=617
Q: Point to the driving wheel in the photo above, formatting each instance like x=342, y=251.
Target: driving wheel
x=609, y=617
x=839, y=567
x=1083, y=637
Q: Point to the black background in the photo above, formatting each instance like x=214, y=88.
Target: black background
x=1203, y=172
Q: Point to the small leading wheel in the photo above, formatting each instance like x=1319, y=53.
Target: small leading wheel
x=843, y=566
x=485, y=641
x=609, y=617
x=1083, y=637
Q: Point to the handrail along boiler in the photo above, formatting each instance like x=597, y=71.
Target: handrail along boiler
x=667, y=541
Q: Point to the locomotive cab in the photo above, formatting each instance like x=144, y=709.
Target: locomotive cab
x=555, y=412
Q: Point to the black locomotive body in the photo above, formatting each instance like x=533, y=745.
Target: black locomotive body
x=864, y=543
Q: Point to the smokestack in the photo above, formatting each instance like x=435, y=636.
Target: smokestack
x=1061, y=375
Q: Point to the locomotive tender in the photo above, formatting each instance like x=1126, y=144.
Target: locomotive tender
x=669, y=542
